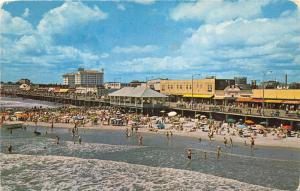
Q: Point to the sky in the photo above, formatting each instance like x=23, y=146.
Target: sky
x=144, y=39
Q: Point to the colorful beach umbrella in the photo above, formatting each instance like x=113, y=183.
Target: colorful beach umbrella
x=287, y=127
x=230, y=120
x=249, y=122
x=241, y=126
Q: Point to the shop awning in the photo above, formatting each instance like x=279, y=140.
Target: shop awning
x=198, y=95
x=219, y=97
x=273, y=101
x=257, y=100
x=244, y=99
x=296, y=102
x=63, y=90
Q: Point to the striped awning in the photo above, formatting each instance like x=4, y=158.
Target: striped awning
x=198, y=95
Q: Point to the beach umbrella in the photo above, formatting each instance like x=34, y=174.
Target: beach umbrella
x=288, y=127
x=160, y=126
x=241, y=126
x=130, y=122
x=249, y=122
x=78, y=118
x=230, y=120
x=259, y=127
x=263, y=123
x=172, y=114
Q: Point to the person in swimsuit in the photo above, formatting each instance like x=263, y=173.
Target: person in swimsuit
x=189, y=154
x=218, y=152
x=9, y=149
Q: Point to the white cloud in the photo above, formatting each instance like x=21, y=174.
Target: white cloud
x=144, y=2
x=245, y=45
x=13, y=25
x=34, y=49
x=135, y=49
x=153, y=64
x=104, y=55
x=70, y=14
x=121, y=7
x=297, y=2
x=218, y=10
x=2, y=2
x=26, y=12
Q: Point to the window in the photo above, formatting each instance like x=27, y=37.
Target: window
x=209, y=88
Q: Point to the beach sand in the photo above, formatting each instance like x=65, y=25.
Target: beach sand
x=269, y=141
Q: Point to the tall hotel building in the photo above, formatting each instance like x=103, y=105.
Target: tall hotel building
x=84, y=78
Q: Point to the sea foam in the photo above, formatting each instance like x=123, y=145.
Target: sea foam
x=27, y=172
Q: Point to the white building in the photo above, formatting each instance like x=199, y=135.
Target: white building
x=115, y=85
x=85, y=78
x=69, y=79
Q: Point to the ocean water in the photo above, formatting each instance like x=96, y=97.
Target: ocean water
x=108, y=160
x=8, y=102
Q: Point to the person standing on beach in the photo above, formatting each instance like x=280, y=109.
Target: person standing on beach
x=52, y=124
x=167, y=134
x=79, y=140
x=231, y=142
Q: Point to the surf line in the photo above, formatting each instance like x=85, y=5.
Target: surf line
x=246, y=156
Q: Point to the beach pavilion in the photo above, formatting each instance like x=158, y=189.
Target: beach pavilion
x=138, y=98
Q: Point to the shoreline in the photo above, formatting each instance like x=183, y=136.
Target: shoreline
x=291, y=142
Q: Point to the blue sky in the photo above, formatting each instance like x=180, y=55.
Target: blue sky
x=142, y=39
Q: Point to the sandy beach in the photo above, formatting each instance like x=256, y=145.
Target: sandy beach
x=269, y=141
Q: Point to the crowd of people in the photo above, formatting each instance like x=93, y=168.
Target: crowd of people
x=112, y=116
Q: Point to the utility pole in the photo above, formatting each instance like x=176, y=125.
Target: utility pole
x=193, y=89
x=263, y=81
